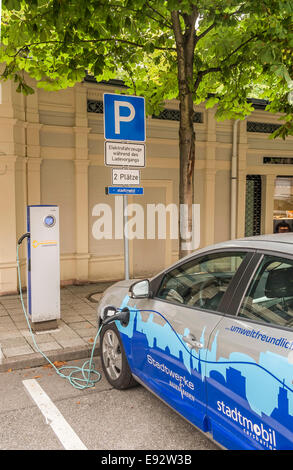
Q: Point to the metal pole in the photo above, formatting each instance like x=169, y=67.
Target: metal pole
x=125, y=232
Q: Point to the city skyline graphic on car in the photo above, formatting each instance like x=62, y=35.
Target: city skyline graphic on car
x=237, y=375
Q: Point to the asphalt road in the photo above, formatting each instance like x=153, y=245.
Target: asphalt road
x=100, y=418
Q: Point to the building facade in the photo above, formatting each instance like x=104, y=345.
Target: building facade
x=52, y=152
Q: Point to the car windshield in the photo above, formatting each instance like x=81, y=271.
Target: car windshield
x=202, y=281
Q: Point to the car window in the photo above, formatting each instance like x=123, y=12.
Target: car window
x=201, y=282
x=269, y=298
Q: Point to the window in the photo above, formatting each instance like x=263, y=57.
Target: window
x=283, y=204
x=253, y=205
x=201, y=282
x=270, y=296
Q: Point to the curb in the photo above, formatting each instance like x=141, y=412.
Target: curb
x=28, y=361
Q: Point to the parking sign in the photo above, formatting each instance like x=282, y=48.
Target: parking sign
x=124, y=118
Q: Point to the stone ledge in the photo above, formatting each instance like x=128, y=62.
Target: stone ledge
x=36, y=359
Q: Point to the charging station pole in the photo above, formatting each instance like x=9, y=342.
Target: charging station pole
x=43, y=266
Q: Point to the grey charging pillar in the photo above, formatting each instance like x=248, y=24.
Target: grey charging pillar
x=43, y=267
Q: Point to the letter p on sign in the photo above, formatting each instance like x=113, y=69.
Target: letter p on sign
x=118, y=118
x=124, y=118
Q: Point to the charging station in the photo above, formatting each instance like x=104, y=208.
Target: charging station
x=43, y=265
x=43, y=281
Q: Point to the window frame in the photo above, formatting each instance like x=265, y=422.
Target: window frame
x=245, y=286
x=225, y=301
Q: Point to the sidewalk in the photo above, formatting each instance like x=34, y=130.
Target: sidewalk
x=73, y=339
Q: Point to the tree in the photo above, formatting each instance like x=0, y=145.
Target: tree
x=216, y=51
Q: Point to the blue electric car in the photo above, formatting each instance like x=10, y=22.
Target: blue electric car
x=212, y=336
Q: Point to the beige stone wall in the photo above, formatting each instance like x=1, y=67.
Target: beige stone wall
x=52, y=152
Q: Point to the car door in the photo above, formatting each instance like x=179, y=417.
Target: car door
x=167, y=340
x=249, y=383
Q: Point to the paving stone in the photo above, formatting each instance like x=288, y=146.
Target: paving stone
x=40, y=339
x=50, y=346
x=17, y=315
x=71, y=342
x=87, y=332
x=71, y=318
x=64, y=335
x=90, y=340
x=21, y=324
x=90, y=317
x=11, y=303
x=5, y=321
x=10, y=334
x=13, y=342
x=15, y=311
x=88, y=306
x=17, y=351
x=80, y=325
x=8, y=328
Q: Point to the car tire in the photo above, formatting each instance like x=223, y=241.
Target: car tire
x=113, y=358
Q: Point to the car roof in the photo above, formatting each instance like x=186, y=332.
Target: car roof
x=277, y=242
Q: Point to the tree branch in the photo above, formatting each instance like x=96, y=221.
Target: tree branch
x=179, y=47
x=202, y=73
x=204, y=33
x=159, y=14
x=189, y=40
x=162, y=22
x=241, y=45
x=123, y=41
x=176, y=26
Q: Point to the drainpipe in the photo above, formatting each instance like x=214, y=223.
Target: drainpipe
x=234, y=168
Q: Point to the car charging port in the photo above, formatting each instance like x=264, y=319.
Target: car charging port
x=111, y=314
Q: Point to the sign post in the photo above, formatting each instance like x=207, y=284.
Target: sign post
x=126, y=242
x=125, y=134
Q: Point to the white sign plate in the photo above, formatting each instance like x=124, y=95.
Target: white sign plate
x=124, y=154
x=125, y=176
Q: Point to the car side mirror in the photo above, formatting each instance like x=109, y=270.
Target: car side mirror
x=140, y=289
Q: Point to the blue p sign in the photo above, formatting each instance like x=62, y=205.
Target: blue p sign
x=124, y=117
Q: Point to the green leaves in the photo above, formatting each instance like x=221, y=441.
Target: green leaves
x=242, y=49
x=211, y=102
x=98, y=66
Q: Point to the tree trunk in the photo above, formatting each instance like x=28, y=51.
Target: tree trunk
x=187, y=156
x=185, y=44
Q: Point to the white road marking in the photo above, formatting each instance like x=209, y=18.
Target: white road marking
x=62, y=429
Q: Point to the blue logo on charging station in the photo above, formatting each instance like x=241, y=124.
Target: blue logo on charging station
x=124, y=117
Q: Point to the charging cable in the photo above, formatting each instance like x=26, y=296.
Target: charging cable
x=89, y=376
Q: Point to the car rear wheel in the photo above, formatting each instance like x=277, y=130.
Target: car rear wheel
x=114, y=362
